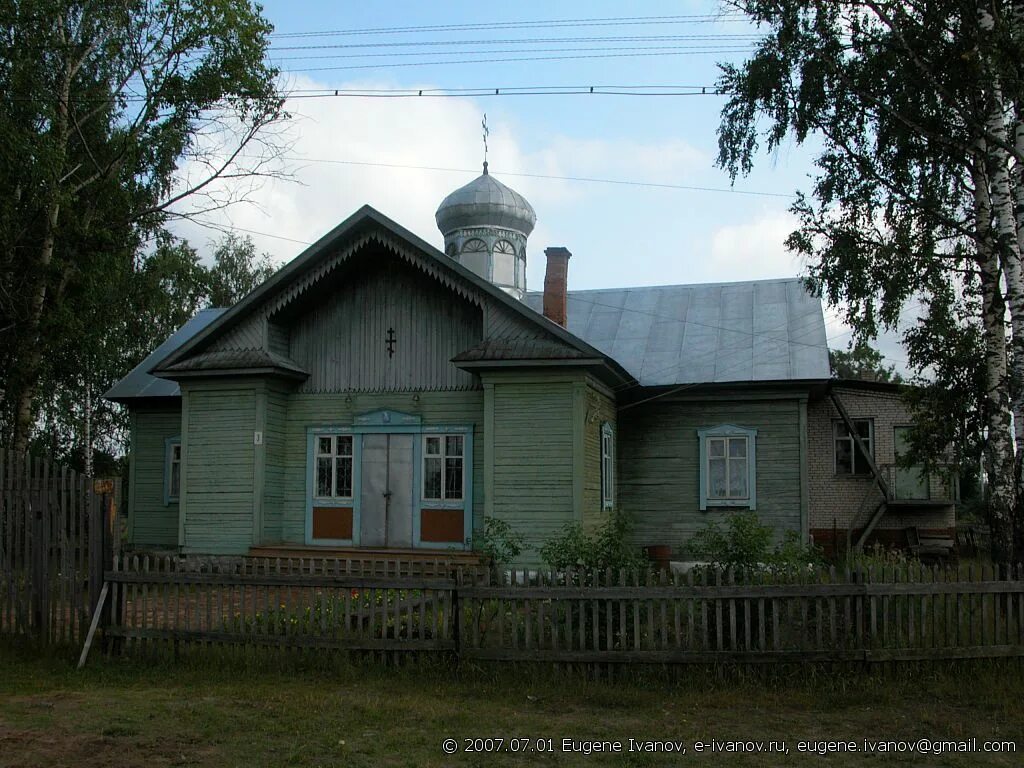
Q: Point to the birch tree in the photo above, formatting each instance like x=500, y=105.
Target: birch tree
x=912, y=202
x=115, y=117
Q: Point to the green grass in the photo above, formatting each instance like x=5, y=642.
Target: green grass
x=260, y=709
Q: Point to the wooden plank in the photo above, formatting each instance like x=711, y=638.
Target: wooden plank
x=788, y=656
x=93, y=626
x=295, y=579
x=291, y=640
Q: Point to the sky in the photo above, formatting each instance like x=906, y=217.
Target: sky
x=676, y=218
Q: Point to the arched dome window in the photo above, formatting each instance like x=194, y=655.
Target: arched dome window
x=504, y=260
x=474, y=245
x=452, y=250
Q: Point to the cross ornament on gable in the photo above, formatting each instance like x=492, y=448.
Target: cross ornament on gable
x=390, y=342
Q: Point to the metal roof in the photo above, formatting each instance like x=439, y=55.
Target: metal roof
x=769, y=330
x=485, y=202
x=140, y=383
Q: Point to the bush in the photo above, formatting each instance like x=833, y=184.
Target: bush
x=498, y=542
x=607, y=547
x=745, y=544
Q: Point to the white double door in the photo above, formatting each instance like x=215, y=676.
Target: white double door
x=386, y=496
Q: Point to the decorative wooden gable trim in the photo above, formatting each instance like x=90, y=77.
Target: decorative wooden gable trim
x=249, y=322
x=379, y=237
x=387, y=418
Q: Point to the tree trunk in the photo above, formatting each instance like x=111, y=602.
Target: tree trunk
x=29, y=364
x=999, y=457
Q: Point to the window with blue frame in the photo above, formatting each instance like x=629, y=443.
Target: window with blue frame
x=607, y=466
x=443, y=467
x=172, y=470
x=728, y=467
x=334, y=467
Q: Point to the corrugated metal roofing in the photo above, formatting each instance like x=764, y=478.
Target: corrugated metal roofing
x=139, y=382
x=769, y=330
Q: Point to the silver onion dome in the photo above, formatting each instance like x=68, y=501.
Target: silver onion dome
x=485, y=202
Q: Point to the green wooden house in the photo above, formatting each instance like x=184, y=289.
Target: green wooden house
x=377, y=394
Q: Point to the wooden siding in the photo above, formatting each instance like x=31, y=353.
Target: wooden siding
x=532, y=455
x=341, y=341
x=151, y=522
x=305, y=410
x=505, y=324
x=600, y=409
x=659, y=465
x=274, y=446
x=247, y=334
x=220, y=463
x=277, y=338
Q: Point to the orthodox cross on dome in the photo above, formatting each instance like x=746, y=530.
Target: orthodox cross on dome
x=487, y=132
x=390, y=342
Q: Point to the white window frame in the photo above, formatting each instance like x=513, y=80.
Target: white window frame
x=443, y=457
x=728, y=432
x=870, y=440
x=172, y=445
x=336, y=456
x=607, y=466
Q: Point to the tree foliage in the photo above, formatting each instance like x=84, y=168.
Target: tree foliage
x=115, y=118
x=144, y=306
x=910, y=207
x=862, y=362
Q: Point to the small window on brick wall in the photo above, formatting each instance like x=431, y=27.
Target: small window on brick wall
x=849, y=458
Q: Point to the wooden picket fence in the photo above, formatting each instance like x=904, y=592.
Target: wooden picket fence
x=55, y=544
x=278, y=602
x=579, y=616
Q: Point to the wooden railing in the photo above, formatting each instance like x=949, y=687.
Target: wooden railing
x=577, y=616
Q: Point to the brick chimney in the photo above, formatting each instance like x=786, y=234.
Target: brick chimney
x=556, y=280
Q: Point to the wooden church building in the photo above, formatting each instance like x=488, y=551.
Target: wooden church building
x=377, y=394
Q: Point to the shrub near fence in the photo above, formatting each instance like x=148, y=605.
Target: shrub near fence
x=574, y=616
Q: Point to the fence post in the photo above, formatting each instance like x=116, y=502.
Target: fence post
x=99, y=551
x=39, y=571
x=457, y=618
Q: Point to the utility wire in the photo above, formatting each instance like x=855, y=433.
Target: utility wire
x=621, y=182
x=594, y=90
x=611, y=21
x=539, y=90
x=489, y=51
x=497, y=41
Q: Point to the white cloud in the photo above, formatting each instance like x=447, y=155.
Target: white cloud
x=441, y=133
x=755, y=250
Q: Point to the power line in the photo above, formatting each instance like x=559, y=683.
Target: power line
x=498, y=41
x=487, y=52
x=610, y=21
x=692, y=52
x=621, y=182
x=593, y=90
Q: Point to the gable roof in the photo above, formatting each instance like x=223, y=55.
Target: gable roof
x=766, y=330
x=364, y=221
x=140, y=383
